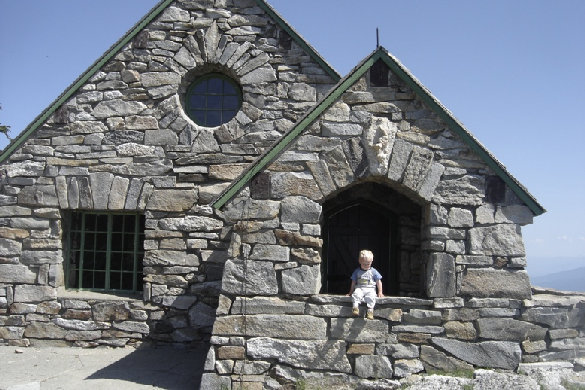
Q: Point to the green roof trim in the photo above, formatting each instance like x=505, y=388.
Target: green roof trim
x=126, y=38
x=306, y=120
x=299, y=40
x=427, y=97
x=85, y=76
x=290, y=136
x=336, y=92
x=296, y=130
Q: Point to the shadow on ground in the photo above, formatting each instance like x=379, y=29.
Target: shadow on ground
x=163, y=367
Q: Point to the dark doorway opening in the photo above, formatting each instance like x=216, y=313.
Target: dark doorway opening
x=377, y=217
x=350, y=229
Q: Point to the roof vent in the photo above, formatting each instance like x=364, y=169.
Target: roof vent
x=379, y=74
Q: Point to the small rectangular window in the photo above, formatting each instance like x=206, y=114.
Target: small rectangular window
x=104, y=251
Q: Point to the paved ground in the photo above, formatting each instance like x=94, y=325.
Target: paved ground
x=165, y=367
x=47, y=368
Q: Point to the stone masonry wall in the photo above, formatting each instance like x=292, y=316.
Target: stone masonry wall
x=122, y=143
x=469, y=246
x=83, y=322
x=270, y=341
x=248, y=275
x=272, y=324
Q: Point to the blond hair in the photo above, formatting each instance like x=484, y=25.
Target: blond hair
x=367, y=254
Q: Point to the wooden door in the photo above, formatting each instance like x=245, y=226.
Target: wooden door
x=347, y=231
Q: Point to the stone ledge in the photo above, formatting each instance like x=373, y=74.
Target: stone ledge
x=63, y=293
x=551, y=291
x=342, y=299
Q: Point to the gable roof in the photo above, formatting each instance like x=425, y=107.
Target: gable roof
x=421, y=91
x=123, y=41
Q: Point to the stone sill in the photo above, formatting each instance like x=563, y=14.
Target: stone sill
x=551, y=291
x=387, y=300
x=63, y=293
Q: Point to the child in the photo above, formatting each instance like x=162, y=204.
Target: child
x=364, y=282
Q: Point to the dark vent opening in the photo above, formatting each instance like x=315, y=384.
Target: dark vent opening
x=260, y=186
x=284, y=40
x=495, y=190
x=379, y=74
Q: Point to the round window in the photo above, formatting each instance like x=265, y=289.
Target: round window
x=213, y=99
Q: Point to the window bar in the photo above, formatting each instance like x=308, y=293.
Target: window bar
x=123, y=270
x=135, y=253
x=93, y=249
x=80, y=227
x=119, y=253
x=67, y=255
x=122, y=253
x=81, y=253
x=108, y=251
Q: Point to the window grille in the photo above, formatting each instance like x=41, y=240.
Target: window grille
x=213, y=100
x=104, y=251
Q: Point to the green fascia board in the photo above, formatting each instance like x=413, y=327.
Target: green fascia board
x=419, y=89
x=299, y=39
x=112, y=51
x=269, y=155
x=428, y=98
x=85, y=76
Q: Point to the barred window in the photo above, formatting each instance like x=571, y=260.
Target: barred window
x=213, y=99
x=104, y=251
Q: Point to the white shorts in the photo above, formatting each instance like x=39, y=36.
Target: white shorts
x=367, y=294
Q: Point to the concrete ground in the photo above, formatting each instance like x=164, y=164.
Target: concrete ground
x=46, y=367
x=50, y=367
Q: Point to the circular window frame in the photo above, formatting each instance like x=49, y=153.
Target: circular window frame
x=232, y=111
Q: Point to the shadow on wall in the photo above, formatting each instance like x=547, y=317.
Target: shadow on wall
x=162, y=367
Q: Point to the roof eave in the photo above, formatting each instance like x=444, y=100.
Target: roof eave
x=398, y=68
x=305, y=121
x=83, y=78
x=123, y=41
x=299, y=40
x=420, y=90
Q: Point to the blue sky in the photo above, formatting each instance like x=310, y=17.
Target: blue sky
x=511, y=71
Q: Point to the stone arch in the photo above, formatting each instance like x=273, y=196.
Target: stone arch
x=379, y=174
x=105, y=191
x=377, y=215
x=210, y=50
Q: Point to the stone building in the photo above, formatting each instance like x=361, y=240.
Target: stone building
x=211, y=179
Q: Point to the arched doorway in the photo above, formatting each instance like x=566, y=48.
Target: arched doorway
x=375, y=217
x=349, y=229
